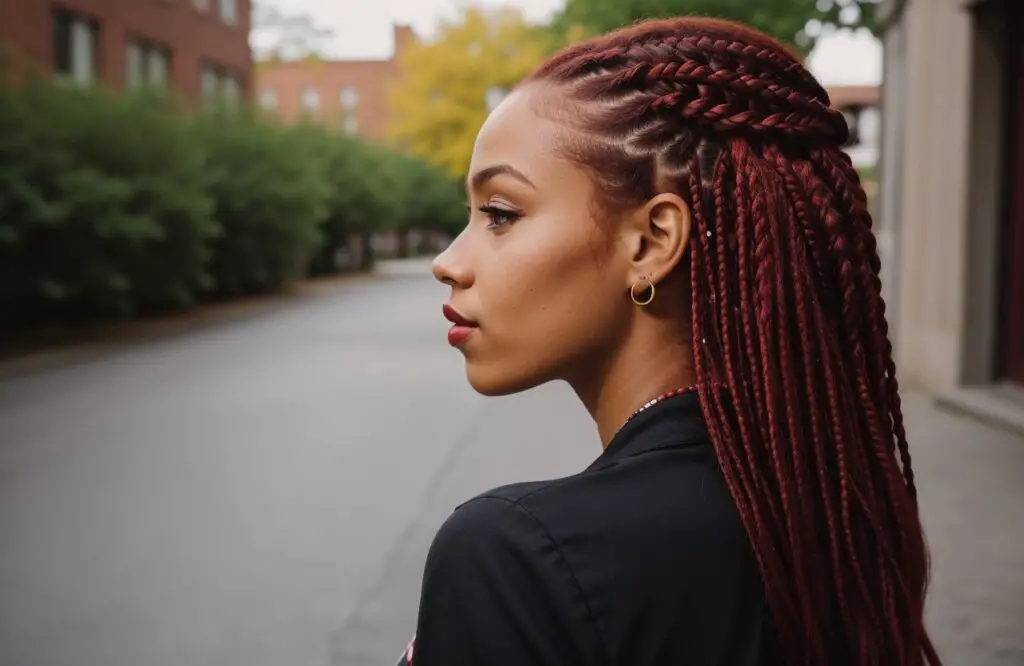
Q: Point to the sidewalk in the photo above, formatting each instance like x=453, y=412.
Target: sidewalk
x=970, y=480
x=64, y=346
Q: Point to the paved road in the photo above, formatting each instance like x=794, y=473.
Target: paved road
x=263, y=492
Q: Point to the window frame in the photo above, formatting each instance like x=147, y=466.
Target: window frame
x=315, y=106
x=268, y=95
x=221, y=76
x=346, y=103
x=148, y=48
x=226, y=15
x=60, y=16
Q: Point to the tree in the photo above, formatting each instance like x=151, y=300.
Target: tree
x=797, y=22
x=279, y=36
x=445, y=87
x=362, y=203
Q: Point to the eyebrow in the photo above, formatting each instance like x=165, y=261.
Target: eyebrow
x=481, y=177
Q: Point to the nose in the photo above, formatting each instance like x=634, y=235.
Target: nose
x=452, y=267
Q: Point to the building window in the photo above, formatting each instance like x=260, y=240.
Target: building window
x=74, y=46
x=220, y=86
x=231, y=89
x=210, y=83
x=310, y=99
x=268, y=99
x=229, y=11
x=146, y=64
x=350, y=125
x=349, y=97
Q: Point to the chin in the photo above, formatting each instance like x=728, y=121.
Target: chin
x=495, y=382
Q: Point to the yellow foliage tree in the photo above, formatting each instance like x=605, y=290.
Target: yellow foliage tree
x=446, y=87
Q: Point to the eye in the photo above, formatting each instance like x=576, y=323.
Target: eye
x=499, y=216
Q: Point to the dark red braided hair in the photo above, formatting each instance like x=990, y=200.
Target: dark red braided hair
x=787, y=316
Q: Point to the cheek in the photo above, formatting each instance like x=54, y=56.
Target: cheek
x=555, y=276
x=553, y=300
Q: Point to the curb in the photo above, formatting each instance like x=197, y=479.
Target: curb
x=94, y=341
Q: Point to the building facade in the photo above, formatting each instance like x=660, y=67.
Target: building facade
x=199, y=48
x=861, y=105
x=952, y=199
x=349, y=95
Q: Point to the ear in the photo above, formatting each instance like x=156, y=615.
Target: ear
x=659, y=237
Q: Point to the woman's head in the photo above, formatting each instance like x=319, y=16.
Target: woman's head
x=599, y=149
x=702, y=156
x=550, y=295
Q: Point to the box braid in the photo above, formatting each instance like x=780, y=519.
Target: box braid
x=790, y=339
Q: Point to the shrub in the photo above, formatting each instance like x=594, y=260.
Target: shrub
x=103, y=206
x=270, y=193
x=114, y=205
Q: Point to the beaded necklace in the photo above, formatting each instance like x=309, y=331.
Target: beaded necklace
x=660, y=398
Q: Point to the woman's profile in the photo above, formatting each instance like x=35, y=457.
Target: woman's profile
x=663, y=218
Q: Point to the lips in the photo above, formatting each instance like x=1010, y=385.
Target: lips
x=452, y=315
x=461, y=328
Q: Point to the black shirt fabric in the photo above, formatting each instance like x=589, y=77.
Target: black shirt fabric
x=640, y=560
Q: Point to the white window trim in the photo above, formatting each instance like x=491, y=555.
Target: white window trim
x=151, y=66
x=228, y=10
x=349, y=97
x=310, y=99
x=82, y=48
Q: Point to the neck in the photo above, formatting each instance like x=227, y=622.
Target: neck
x=656, y=359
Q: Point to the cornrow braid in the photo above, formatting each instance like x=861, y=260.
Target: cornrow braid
x=790, y=341
x=721, y=83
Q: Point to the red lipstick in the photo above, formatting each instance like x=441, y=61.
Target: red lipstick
x=461, y=326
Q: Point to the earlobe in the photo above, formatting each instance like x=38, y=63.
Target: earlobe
x=660, y=234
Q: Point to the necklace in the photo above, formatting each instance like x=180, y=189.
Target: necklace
x=660, y=398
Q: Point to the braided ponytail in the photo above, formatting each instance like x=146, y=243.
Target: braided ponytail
x=787, y=314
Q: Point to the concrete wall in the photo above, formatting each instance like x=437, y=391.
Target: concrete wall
x=941, y=189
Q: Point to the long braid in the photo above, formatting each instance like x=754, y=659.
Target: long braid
x=847, y=179
x=791, y=349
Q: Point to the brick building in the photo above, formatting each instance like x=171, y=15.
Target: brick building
x=199, y=48
x=861, y=104
x=350, y=95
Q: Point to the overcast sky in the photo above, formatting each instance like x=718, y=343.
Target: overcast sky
x=362, y=29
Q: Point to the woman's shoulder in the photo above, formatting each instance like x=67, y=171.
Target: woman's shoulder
x=617, y=544
x=492, y=576
x=682, y=488
x=496, y=519
x=505, y=526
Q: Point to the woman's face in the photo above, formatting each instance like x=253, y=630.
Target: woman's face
x=542, y=283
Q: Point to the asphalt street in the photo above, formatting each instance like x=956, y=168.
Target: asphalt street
x=262, y=492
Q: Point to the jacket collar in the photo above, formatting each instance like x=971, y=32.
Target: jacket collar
x=671, y=423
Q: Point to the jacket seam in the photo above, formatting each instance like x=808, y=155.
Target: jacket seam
x=565, y=562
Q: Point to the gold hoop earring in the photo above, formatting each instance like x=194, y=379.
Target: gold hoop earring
x=650, y=297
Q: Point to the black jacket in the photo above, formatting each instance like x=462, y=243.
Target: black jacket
x=639, y=560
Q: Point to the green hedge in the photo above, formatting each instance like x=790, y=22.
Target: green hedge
x=115, y=205
x=270, y=200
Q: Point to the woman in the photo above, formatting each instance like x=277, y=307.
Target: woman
x=663, y=218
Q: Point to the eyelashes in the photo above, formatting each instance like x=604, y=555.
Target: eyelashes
x=498, y=216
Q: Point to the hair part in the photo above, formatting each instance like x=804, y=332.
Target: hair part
x=790, y=338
